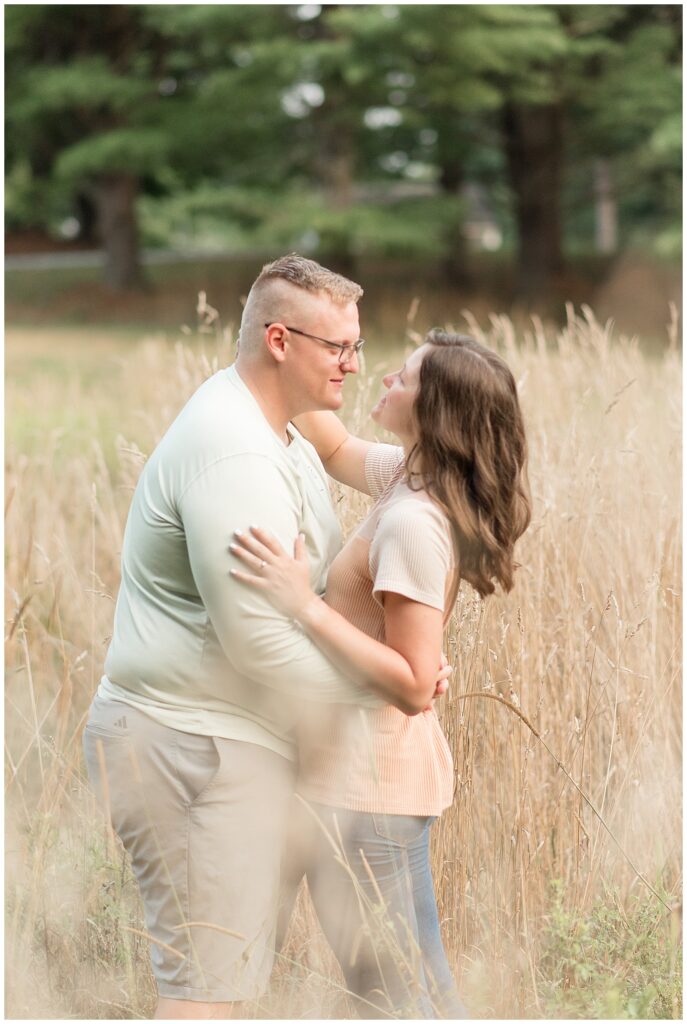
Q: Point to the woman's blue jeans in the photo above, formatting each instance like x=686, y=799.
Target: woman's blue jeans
x=371, y=885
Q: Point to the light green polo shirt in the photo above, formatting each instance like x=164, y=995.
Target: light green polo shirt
x=193, y=647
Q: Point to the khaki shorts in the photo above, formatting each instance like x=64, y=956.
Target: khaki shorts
x=203, y=820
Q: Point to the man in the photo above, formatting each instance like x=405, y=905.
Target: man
x=189, y=738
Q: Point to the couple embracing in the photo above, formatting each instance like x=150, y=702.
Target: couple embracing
x=266, y=710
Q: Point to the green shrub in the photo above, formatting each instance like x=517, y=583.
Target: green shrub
x=611, y=962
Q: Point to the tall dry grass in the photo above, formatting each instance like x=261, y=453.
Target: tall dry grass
x=558, y=865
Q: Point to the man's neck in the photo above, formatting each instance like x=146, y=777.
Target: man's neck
x=267, y=394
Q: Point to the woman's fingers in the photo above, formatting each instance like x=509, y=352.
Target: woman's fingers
x=284, y=580
x=248, y=577
x=249, y=543
x=247, y=556
x=266, y=538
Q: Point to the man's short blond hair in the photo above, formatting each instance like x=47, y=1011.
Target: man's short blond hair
x=311, y=277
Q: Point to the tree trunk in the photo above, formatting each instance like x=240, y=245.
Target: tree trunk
x=605, y=209
x=116, y=201
x=334, y=159
x=534, y=144
x=334, y=166
x=87, y=215
x=455, y=261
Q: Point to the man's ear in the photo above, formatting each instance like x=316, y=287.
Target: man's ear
x=275, y=341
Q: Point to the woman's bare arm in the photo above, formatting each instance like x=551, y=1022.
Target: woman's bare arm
x=403, y=671
x=342, y=454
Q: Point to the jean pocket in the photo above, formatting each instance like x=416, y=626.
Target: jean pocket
x=401, y=829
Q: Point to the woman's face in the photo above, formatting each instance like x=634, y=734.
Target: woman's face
x=394, y=410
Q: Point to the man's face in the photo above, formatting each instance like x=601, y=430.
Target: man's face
x=315, y=372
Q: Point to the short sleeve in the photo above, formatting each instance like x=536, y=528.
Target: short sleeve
x=259, y=642
x=412, y=553
x=382, y=462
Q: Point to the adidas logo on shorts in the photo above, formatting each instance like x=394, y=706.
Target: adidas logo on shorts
x=120, y=723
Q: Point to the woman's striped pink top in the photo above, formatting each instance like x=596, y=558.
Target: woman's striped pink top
x=383, y=761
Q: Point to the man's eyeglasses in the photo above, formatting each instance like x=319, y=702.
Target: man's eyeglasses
x=346, y=352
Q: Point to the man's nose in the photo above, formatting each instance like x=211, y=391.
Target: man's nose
x=350, y=365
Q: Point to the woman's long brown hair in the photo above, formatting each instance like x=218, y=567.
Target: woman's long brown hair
x=471, y=455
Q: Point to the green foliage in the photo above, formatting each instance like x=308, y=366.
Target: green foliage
x=87, y=83
x=638, y=86
x=406, y=228
x=288, y=114
x=610, y=963
x=225, y=217
x=24, y=199
x=242, y=218
x=123, y=150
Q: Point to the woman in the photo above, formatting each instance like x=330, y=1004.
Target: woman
x=451, y=502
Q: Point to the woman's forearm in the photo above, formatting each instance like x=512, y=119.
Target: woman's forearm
x=324, y=430
x=367, y=662
x=403, y=670
x=343, y=455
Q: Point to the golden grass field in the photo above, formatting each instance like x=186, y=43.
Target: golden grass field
x=558, y=867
